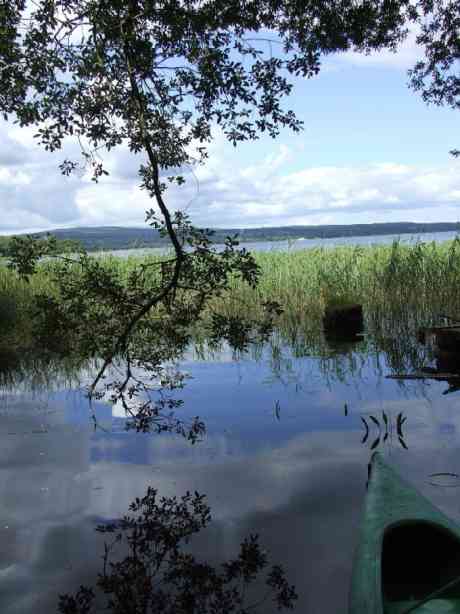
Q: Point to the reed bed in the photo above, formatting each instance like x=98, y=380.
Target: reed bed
x=17, y=306
x=420, y=279
x=400, y=287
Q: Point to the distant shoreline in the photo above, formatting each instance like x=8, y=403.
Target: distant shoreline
x=109, y=238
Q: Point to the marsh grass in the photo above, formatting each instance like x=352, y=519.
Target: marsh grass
x=400, y=286
x=17, y=304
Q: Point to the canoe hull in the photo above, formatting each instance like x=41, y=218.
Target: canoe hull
x=391, y=505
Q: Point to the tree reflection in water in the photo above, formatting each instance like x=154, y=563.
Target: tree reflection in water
x=156, y=576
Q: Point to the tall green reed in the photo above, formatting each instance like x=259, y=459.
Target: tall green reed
x=400, y=286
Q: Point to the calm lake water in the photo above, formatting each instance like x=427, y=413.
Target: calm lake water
x=295, y=476
x=280, y=458
x=268, y=246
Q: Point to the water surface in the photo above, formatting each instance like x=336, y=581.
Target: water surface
x=281, y=458
x=298, y=244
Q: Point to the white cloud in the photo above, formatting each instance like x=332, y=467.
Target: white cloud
x=13, y=177
x=339, y=194
x=224, y=193
x=403, y=58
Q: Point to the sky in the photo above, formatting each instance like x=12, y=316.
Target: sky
x=371, y=151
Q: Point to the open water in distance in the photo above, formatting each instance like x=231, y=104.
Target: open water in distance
x=281, y=458
x=297, y=244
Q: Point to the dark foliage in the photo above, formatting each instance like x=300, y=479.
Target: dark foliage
x=156, y=576
x=158, y=77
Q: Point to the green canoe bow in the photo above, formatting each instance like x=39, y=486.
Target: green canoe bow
x=407, y=550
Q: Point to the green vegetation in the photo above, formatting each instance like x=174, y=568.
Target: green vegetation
x=17, y=307
x=95, y=72
x=420, y=281
x=63, y=244
x=57, y=60
x=398, y=285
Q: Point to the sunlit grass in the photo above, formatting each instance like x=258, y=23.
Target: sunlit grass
x=416, y=283
x=17, y=305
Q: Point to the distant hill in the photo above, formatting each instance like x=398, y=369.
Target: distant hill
x=114, y=237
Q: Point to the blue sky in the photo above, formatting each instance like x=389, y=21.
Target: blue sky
x=371, y=151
